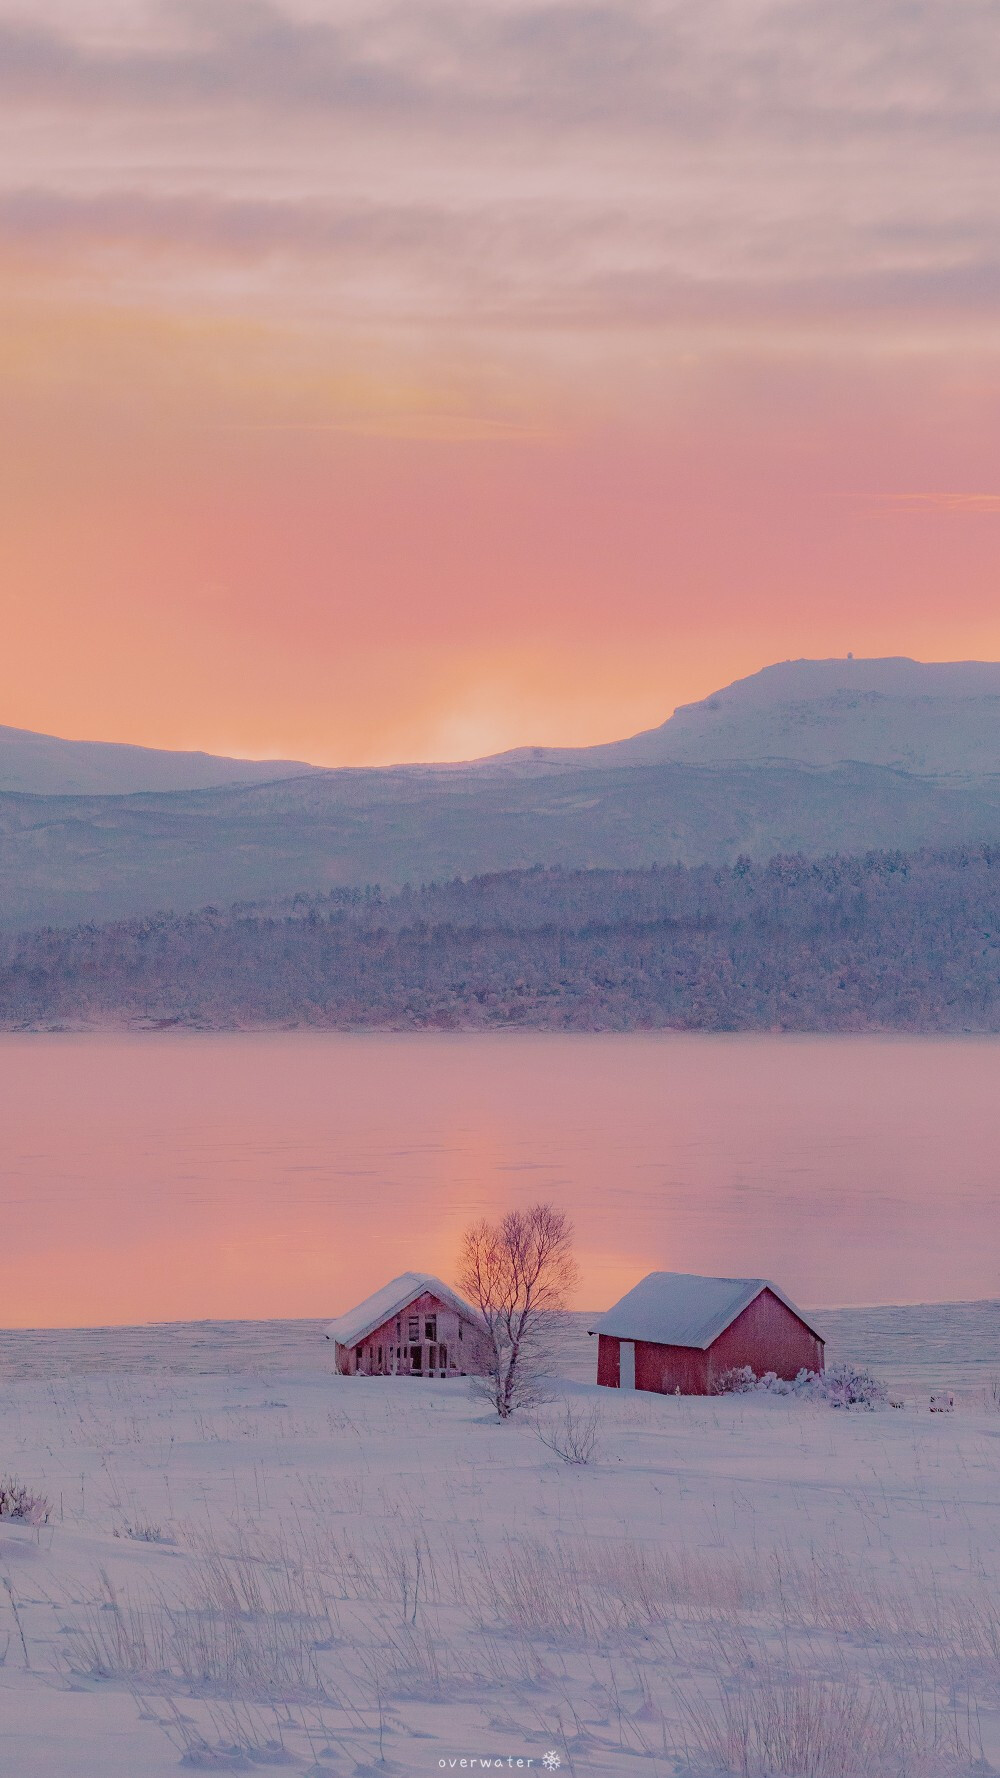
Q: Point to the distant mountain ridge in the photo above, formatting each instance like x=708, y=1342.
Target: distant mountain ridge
x=46, y=765
x=805, y=757
x=934, y=718
x=928, y=717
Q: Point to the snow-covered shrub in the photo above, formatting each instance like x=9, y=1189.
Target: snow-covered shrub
x=18, y=1502
x=843, y=1385
x=740, y=1380
x=771, y=1384
x=850, y=1386
x=743, y=1380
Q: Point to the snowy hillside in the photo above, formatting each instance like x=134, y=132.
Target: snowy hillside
x=44, y=765
x=914, y=716
x=935, y=717
x=807, y=756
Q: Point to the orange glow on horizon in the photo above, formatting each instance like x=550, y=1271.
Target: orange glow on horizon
x=401, y=417
x=179, y=577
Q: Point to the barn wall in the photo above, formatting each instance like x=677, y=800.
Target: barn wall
x=768, y=1337
x=608, y=1361
x=661, y=1369
x=665, y=1369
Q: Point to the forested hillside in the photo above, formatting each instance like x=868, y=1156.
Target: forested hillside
x=886, y=941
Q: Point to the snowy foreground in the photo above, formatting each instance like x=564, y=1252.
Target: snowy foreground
x=251, y=1564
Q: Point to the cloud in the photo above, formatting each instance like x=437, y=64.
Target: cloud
x=236, y=53
x=762, y=166
x=222, y=227
x=786, y=68
x=944, y=502
x=502, y=263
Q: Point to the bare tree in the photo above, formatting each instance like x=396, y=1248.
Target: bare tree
x=518, y=1273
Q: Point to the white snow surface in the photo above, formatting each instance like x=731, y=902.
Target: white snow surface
x=254, y=1564
x=391, y=1299
x=684, y=1309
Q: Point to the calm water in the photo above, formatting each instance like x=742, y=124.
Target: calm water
x=168, y=1177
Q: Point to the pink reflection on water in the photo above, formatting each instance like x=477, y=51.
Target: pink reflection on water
x=168, y=1177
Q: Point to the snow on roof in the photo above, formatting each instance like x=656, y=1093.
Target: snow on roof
x=681, y=1309
x=391, y=1300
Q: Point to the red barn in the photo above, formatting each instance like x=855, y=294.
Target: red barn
x=415, y=1326
x=676, y=1332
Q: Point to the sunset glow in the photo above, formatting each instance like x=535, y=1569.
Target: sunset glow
x=410, y=383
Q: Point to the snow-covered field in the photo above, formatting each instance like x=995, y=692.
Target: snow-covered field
x=251, y=1563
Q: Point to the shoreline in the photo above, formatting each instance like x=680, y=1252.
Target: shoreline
x=142, y=1026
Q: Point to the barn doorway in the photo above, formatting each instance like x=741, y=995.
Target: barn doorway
x=417, y=1360
x=626, y=1364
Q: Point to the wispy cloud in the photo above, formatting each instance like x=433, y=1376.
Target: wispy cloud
x=733, y=67
x=555, y=162
x=944, y=502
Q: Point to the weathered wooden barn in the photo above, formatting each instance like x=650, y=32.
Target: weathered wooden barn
x=415, y=1326
x=678, y=1333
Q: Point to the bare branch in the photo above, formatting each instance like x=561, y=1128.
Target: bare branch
x=519, y=1273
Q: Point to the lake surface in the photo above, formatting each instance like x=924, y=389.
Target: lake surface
x=171, y=1176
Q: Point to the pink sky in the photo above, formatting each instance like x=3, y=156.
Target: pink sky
x=412, y=381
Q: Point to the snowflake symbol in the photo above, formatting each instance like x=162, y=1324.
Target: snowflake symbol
x=552, y=1762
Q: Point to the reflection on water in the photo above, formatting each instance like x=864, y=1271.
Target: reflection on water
x=170, y=1176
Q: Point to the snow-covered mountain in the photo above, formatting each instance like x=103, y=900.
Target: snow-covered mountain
x=45, y=765
x=935, y=718
x=927, y=717
x=806, y=756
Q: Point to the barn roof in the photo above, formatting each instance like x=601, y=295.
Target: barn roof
x=391, y=1300
x=682, y=1309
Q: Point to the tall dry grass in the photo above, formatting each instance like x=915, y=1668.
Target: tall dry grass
x=776, y=1724
x=804, y=1666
